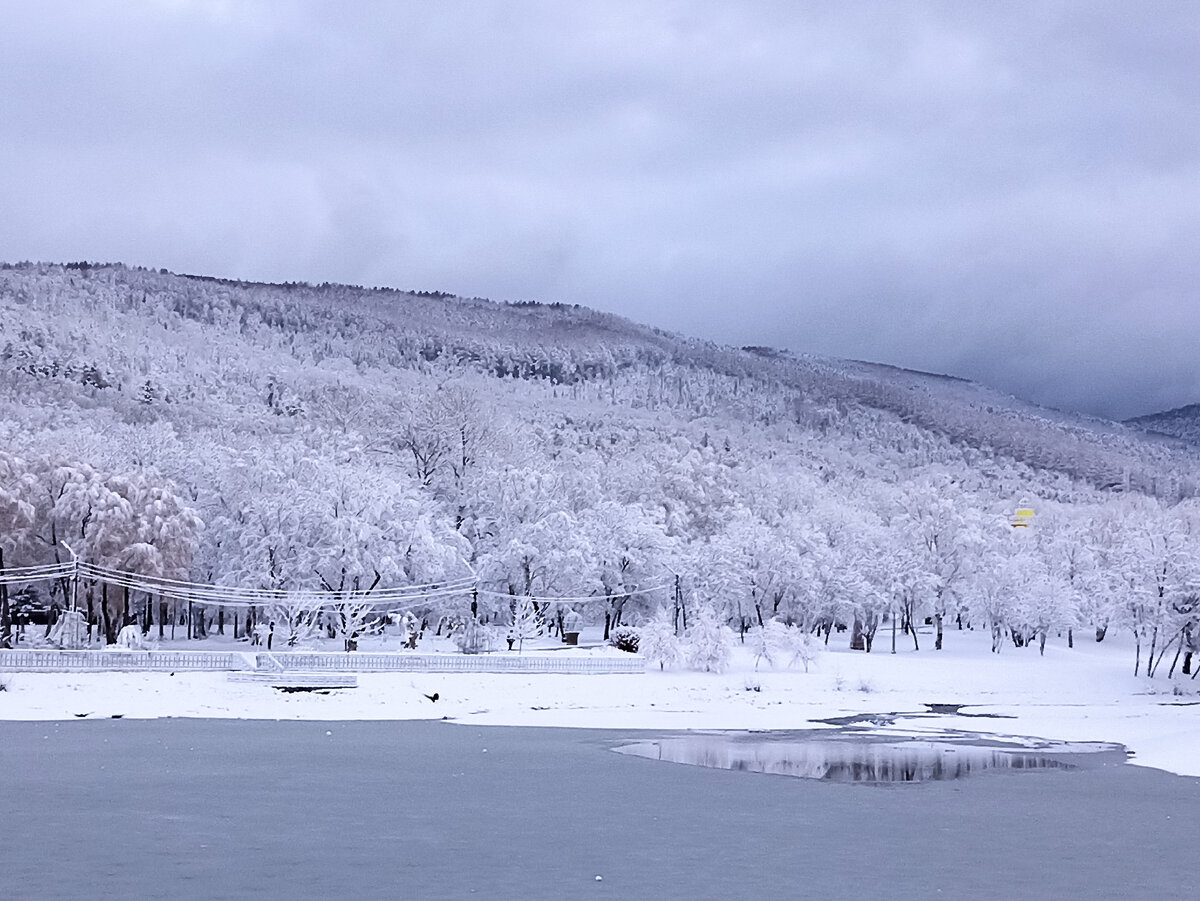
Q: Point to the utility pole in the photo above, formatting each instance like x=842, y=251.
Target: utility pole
x=474, y=589
x=74, y=574
x=5, y=610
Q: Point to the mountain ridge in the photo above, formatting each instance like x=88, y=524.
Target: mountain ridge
x=566, y=345
x=1181, y=422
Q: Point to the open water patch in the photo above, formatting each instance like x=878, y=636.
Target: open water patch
x=873, y=760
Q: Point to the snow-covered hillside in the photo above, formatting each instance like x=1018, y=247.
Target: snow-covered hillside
x=1182, y=423
x=334, y=438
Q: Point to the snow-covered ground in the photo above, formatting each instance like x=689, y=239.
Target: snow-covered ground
x=1083, y=694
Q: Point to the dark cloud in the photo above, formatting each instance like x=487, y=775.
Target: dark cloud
x=1006, y=191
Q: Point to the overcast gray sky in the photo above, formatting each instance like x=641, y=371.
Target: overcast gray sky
x=1007, y=191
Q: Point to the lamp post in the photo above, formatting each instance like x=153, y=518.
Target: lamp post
x=71, y=633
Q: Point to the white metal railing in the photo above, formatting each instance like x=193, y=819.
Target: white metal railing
x=70, y=661
x=457, y=663
x=158, y=661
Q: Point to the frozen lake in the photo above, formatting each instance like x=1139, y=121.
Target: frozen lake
x=419, y=810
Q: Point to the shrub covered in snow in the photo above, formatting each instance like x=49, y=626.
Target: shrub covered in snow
x=624, y=638
x=130, y=638
x=70, y=631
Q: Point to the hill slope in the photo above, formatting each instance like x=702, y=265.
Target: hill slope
x=336, y=437
x=1182, y=423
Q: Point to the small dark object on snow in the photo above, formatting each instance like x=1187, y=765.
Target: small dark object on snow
x=117, y=716
x=433, y=697
x=81, y=714
x=944, y=708
x=860, y=719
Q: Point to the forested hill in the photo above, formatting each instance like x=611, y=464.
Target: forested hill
x=1182, y=423
x=106, y=336
x=327, y=434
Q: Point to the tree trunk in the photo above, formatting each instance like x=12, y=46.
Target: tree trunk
x=1175, y=660
x=937, y=619
x=110, y=626
x=93, y=621
x=5, y=611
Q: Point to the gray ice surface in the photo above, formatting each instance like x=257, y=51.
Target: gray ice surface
x=420, y=810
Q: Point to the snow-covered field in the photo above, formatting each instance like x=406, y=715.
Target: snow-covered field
x=1081, y=694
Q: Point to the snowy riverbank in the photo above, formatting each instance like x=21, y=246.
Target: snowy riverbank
x=1084, y=694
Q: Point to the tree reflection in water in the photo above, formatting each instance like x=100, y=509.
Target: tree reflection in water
x=855, y=758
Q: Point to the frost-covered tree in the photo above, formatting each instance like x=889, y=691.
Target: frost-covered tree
x=658, y=641
x=1064, y=542
x=295, y=620
x=708, y=642
x=16, y=528
x=1159, y=575
x=626, y=547
x=782, y=645
x=525, y=622
x=947, y=528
